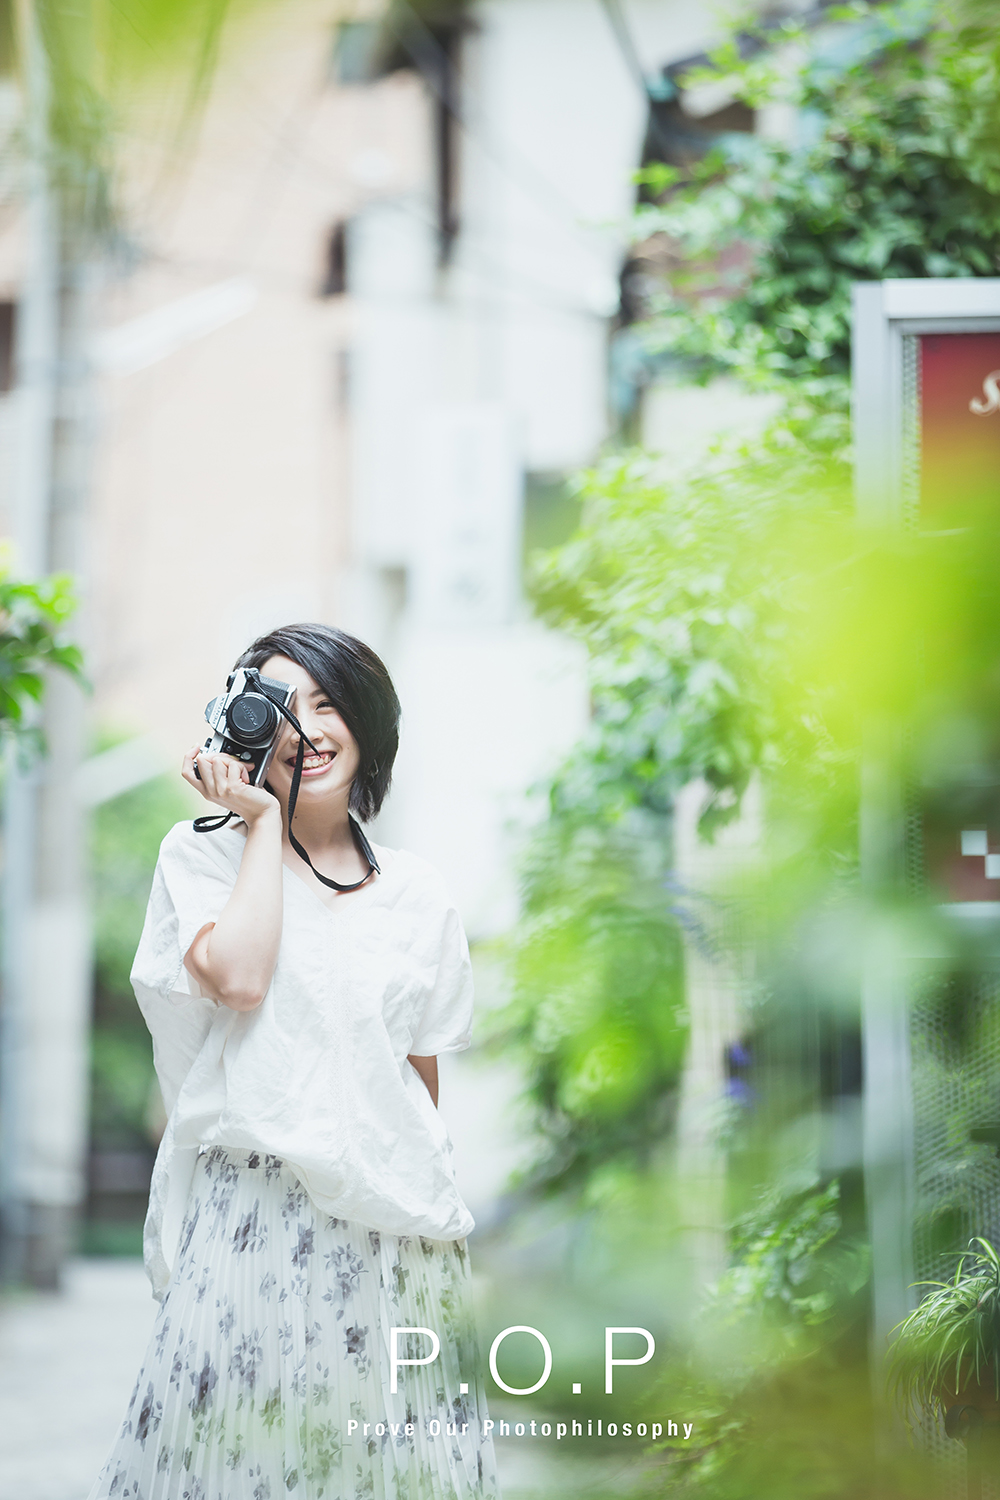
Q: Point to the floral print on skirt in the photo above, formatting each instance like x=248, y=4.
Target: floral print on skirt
x=268, y=1373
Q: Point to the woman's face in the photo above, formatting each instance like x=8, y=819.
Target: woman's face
x=327, y=776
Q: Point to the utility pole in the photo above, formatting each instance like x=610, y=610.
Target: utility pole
x=46, y=949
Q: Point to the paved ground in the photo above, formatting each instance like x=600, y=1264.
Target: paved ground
x=67, y=1366
x=68, y=1363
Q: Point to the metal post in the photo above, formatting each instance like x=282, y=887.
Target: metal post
x=46, y=961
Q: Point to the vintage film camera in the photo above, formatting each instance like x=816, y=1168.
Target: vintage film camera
x=245, y=722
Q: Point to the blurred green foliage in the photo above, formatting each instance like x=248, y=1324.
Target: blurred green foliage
x=893, y=169
x=806, y=1431
x=92, y=65
x=125, y=840
x=730, y=609
x=776, y=1385
x=597, y=1013
x=685, y=594
x=798, y=1266
x=741, y=629
x=32, y=620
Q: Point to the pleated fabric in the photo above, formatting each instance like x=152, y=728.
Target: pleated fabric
x=268, y=1372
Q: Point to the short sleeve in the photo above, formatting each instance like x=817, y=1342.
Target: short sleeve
x=193, y=880
x=445, y=1024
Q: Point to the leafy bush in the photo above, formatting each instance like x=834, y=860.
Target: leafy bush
x=684, y=594
x=740, y=629
x=32, y=617
x=895, y=171
x=597, y=1013
x=702, y=594
x=952, y=1340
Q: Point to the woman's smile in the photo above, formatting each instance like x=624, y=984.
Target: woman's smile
x=314, y=765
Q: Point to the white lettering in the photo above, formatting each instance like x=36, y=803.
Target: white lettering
x=487, y=1427
x=657, y=1429
x=610, y=1361
x=528, y=1390
x=394, y=1352
x=560, y=1430
x=434, y=1427
x=688, y=1429
x=641, y=1430
x=351, y=1425
x=380, y=1429
x=991, y=392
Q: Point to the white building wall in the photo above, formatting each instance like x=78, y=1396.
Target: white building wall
x=465, y=379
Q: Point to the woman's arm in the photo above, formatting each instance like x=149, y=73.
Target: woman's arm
x=233, y=958
x=427, y=1067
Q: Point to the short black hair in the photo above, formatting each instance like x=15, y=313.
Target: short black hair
x=359, y=688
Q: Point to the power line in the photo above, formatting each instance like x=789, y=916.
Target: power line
x=619, y=25
x=518, y=167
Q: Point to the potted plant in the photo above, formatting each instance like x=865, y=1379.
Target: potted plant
x=945, y=1356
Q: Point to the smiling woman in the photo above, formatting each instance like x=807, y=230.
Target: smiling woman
x=303, y=1202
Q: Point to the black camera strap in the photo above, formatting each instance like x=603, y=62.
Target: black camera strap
x=211, y=823
x=361, y=843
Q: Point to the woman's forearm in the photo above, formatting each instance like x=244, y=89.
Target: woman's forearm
x=233, y=958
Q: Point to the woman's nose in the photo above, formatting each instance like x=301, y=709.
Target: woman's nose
x=311, y=728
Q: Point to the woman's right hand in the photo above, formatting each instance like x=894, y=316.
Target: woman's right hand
x=225, y=781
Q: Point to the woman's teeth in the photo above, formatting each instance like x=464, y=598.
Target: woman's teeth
x=312, y=762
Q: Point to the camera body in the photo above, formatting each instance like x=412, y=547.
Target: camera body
x=245, y=722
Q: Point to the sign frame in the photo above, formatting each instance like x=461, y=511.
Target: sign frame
x=886, y=474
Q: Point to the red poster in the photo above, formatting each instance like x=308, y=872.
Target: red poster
x=959, y=456
x=959, y=420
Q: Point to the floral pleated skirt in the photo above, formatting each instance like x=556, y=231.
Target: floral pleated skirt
x=269, y=1371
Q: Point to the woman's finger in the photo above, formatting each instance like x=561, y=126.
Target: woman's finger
x=209, y=771
x=188, y=767
x=231, y=762
x=237, y=770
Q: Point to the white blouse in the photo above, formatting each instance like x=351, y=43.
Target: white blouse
x=318, y=1074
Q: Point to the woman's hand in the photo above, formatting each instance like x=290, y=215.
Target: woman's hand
x=225, y=781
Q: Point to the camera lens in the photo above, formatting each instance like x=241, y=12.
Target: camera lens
x=251, y=719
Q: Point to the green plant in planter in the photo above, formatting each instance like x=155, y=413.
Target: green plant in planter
x=946, y=1354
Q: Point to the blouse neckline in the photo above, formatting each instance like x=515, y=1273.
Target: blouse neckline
x=385, y=858
x=363, y=895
